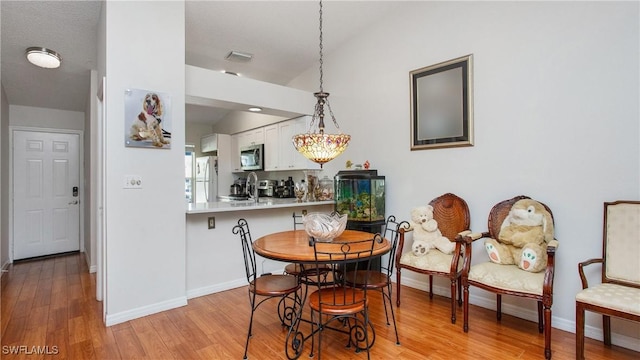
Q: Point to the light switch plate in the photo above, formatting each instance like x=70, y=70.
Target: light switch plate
x=132, y=182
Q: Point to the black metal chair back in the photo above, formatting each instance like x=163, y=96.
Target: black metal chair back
x=392, y=233
x=339, y=300
x=250, y=265
x=297, y=221
x=266, y=286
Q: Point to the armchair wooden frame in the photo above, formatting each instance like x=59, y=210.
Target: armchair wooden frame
x=620, y=248
x=544, y=298
x=452, y=214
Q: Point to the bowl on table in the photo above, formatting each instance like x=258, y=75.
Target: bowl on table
x=324, y=227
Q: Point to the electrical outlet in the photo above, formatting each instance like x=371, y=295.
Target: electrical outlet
x=132, y=182
x=211, y=222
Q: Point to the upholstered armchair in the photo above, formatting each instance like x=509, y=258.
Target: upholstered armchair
x=618, y=294
x=452, y=214
x=510, y=279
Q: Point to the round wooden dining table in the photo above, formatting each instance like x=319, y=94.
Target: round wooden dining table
x=294, y=245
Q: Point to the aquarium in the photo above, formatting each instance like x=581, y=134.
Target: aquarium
x=361, y=195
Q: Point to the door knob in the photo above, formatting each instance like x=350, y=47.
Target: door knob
x=74, y=202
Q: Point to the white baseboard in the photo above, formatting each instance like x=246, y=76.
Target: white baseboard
x=92, y=268
x=207, y=290
x=527, y=314
x=121, y=317
x=6, y=264
x=4, y=269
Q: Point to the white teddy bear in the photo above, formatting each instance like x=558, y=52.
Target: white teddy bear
x=426, y=235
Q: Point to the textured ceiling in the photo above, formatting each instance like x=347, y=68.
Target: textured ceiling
x=281, y=35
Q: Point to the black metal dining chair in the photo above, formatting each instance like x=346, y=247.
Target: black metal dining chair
x=342, y=304
x=266, y=286
x=306, y=272
x=381, y=280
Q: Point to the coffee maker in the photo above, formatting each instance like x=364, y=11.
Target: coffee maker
x=285, y=189
x=266, y=188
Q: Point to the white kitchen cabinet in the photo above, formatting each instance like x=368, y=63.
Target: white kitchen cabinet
x=279, y=139
x=293, y=158
x=209, y=143
x=271, y=148
x=254, y=137
x=236, y=139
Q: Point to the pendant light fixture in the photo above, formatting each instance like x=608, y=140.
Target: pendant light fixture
x=43, y=57
x=315, y=145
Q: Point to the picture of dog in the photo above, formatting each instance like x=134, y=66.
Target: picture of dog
x=147, y=126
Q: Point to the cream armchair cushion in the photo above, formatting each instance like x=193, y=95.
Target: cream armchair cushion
x=612, y=296
x=434, y=260
x=509, y=277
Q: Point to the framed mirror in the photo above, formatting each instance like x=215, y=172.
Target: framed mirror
x=442, y=105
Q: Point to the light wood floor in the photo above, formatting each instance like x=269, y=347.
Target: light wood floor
x=51, y=304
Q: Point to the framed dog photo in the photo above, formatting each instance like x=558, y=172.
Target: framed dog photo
x=147, y=119
x=442, y=105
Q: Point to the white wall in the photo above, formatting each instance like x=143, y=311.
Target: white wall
x=4, y=179
x=145, y=231
x=556, y=87
x=45, y=118
x=90, y=181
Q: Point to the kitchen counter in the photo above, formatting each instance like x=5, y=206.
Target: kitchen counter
x=243, y=205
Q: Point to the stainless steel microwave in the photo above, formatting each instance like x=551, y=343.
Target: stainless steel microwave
x=252, y=157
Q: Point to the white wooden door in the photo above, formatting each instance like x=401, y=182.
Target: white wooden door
x=46, y=196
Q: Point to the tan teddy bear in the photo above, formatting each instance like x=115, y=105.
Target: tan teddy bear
x=523, y=237
x=426, y=235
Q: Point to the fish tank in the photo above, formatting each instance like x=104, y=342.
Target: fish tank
x=361, y=195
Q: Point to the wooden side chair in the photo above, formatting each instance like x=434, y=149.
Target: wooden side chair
x=619, y=292
x=452, y=214
x=509, y=279
x=381, y=280
x=266, y=286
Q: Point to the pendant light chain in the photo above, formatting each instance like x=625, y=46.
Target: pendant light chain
x=316, y=145
x=326, y=100
x=321, y=90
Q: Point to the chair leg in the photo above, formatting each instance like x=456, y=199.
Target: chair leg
x=606, y=329
x=579, y=331
x=313, y=333
x=453, y=300
x=398, y=287
x=430, y=286
x=499, y=307
x=393, y=315
x=465, y=308
x=547, y=332
x=540, y=322
x=459, y=281
x=246, y=346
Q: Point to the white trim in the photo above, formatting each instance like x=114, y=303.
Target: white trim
x=81, y=180
x=526, y=314
x=208, y=290
x=144, y=311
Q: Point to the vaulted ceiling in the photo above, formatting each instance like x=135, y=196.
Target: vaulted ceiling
x=282, y=36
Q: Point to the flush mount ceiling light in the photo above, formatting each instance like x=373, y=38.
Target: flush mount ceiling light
x=238, y=56
x=255, y=109
x=315, y=145
x=43, y=57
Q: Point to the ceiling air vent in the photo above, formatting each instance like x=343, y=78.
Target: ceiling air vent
x=238, y=56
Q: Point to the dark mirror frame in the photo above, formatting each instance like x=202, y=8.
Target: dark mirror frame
x=442, y=104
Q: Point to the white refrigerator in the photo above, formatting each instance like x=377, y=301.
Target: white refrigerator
x=206, y=175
